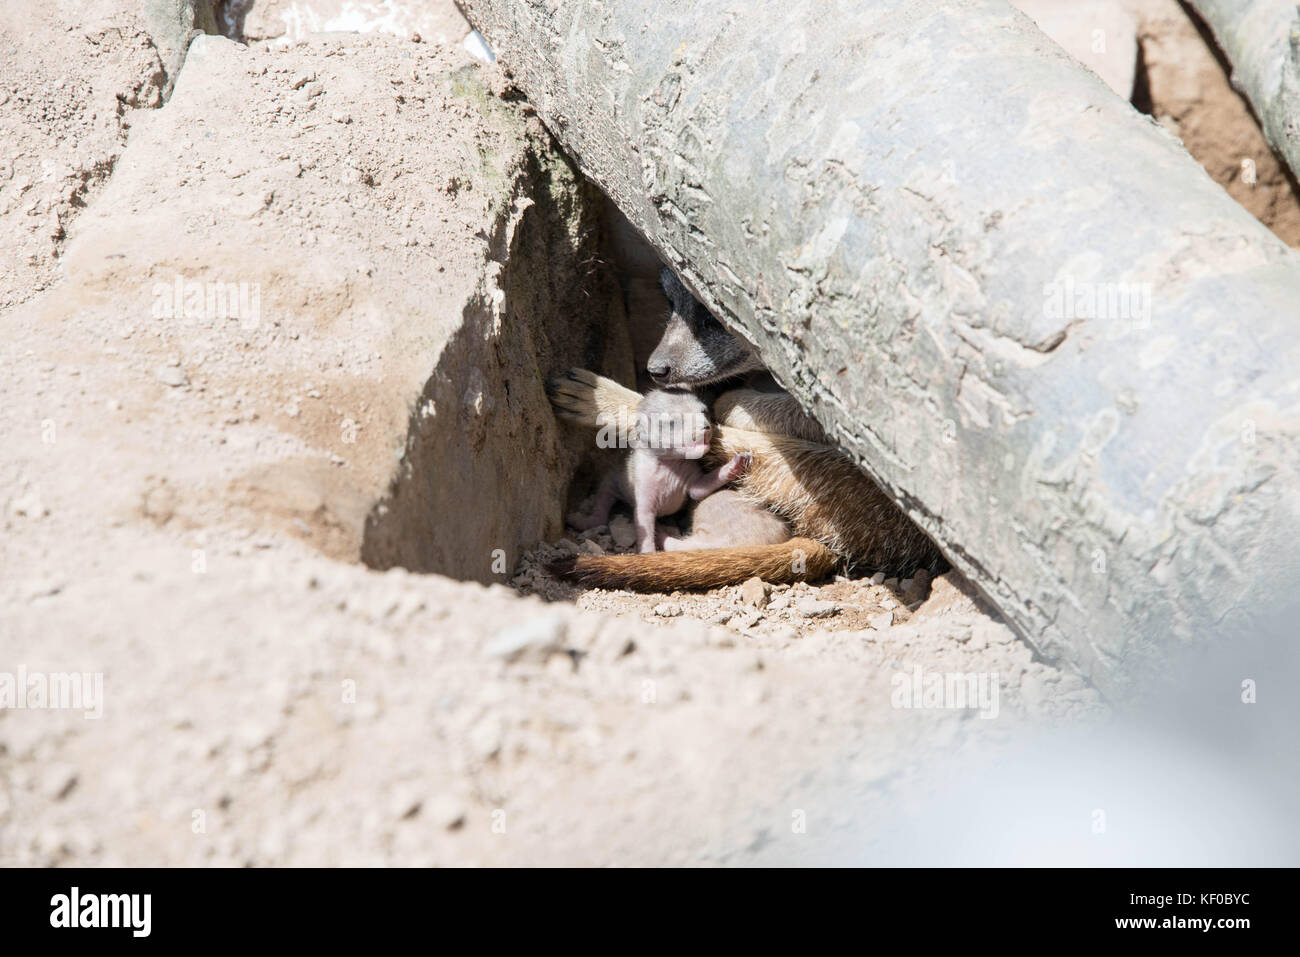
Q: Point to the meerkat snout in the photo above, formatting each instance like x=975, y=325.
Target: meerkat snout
x=696, y=349
x=694, y=443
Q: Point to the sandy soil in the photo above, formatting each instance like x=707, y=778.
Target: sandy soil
x=63, y=129
x=182, y=506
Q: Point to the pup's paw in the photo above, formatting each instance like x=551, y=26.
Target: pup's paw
x=737, y=466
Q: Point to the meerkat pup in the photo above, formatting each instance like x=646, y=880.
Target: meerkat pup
x=671, y=433
x=726, y=519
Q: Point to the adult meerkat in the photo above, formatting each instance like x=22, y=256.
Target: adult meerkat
x=836, y=512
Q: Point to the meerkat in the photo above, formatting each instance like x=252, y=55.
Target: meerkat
x=698, y=352
x=726, y=518
x=837, y=514
x=695, y=349
x=671, y=433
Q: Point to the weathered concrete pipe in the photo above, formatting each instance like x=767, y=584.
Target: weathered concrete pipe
x=1021, y=305
x=1261, y=39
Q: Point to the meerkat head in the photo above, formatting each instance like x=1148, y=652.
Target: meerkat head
x=696, y=349
x=672, y=424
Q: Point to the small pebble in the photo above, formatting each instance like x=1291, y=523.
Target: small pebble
x=446, y=811
x=815, y=608
x=622, y=532
x=537, y=638
x=172, y=376
x=754, y=592
x=59, y=781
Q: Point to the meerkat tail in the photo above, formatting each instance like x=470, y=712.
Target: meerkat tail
x=799, y=559
x=590, y=399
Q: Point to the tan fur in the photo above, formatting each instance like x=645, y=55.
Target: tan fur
x=587, y=398
x=774, y=413
x=837, y=511
x=727, y=519
x=823, y=495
